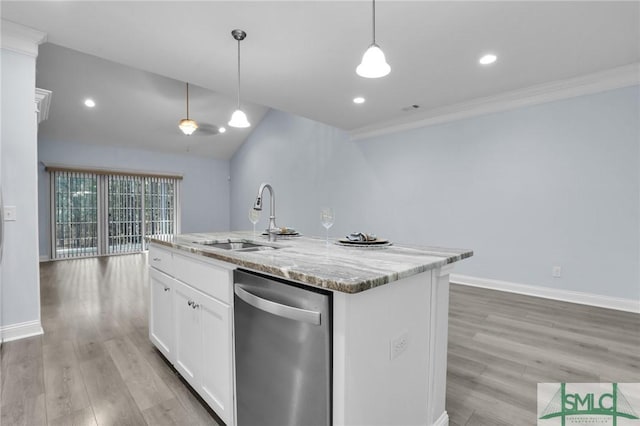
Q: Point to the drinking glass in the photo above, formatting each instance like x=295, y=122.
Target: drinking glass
x=327, y=218
x=254, y=217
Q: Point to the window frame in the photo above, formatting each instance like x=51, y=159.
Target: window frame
x=103, y=176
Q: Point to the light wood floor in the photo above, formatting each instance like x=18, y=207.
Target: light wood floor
x=95, y=365
x=501, y=345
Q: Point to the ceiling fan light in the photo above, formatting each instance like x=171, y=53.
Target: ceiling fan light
x=374, y=64
x=188, y=126
x=239, y=119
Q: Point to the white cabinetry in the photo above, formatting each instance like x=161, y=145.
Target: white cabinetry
x=190, y=323
x=161, y=259
x=217, y=371
x=203, y=347
x=161, y=285
x=161, y=329
x=188, y=329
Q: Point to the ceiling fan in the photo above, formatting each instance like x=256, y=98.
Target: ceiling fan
x=209, y=129
x=189, y=127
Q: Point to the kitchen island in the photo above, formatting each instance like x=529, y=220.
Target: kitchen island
x=389, y=322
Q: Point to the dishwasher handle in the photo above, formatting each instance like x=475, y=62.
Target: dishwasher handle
x=285, y=311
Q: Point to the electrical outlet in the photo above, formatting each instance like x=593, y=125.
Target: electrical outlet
x=9, y=213
x=556, y=271
x=398, y=345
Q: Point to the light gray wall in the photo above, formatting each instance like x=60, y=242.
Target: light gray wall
x=20, y=274
x=204, y=191
x=552, y=184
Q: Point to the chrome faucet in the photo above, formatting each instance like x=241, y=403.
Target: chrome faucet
x=273, y=229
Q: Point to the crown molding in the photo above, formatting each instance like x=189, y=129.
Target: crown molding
x=43, y=101
x=615, y=78
x=21, y=39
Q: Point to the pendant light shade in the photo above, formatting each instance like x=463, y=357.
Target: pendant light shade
x=374, y=64
x=187, y=125
x=239, y=118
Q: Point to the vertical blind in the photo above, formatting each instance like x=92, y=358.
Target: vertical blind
x=125, y=214
x=160, y=201
x=75, y=214
x=97, y=213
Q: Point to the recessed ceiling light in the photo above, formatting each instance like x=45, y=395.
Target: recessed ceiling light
x=487, y=59
x=358, y=100
x=222, y=129
x=89, y=103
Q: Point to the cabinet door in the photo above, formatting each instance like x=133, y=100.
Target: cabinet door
x=161, y=328
x=216, y=374
x=188, y=333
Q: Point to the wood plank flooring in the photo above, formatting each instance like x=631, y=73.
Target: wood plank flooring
x=95, y=365
x=501, y=345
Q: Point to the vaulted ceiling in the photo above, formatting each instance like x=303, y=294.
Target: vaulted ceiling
x=300, y=57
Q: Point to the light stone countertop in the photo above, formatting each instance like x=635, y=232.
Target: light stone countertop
x=310, y=261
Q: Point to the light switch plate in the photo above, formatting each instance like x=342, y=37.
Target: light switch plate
x=9, y=213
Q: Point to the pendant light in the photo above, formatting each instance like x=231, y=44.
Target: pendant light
x=374, y=64
x=187, y=125
x=239, y=118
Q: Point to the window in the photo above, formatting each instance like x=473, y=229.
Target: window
x=96, y=213
x=160, y=202
x=124, y=213
x=76, y=214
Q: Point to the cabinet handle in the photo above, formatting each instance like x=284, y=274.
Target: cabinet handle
x=167, y=289
x=156, y=259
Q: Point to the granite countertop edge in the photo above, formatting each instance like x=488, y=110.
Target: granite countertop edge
x=267, y=262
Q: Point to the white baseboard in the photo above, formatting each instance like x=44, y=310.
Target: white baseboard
x=443, y=420
x=44, y=258
x=617, y=303
x=21, y=330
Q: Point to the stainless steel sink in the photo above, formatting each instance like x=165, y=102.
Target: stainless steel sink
x=237, y=245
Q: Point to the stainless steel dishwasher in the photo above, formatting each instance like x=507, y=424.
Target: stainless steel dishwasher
x=283, y=352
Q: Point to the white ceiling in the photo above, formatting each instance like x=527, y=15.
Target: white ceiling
x=134, y=108
x=300, y=56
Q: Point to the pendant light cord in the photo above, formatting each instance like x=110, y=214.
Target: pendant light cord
x=187, y=101
x=238, y=74
x=374, y=21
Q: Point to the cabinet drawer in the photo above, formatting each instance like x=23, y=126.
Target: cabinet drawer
x=203, y=276
x=161, y=259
